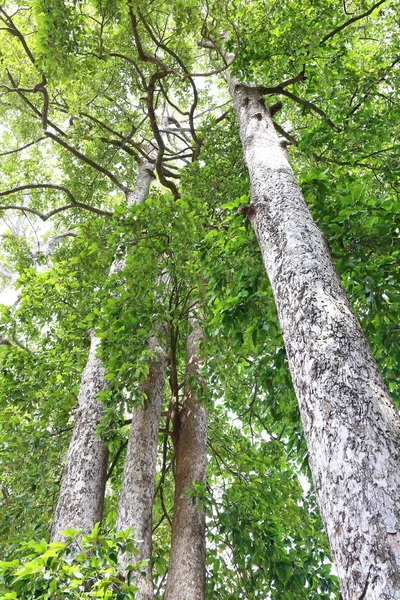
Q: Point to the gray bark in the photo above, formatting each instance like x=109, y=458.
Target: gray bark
x=187, y=562
x=80, y=503
x=137, y=491
x=81, y=498
x=350, y=424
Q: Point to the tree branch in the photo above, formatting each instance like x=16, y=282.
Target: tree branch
x=116, y=458
x=301, y=101
x=187, y=75
x=36, y=111
x=16, y=32
x=142, y=55
x=350, y=22
x=88, y=161
x=74, y=203
x=22, y=147
x=290, y=138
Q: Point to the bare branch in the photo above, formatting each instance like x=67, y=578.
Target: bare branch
x=290, y=138
x=124, y=139
x=292, y=80
x=36, y=111
x=222, y=117
x=187, y=75
x=160, y=142
x=116, y=458
x=34, y=186
x=142, y=55
x=14, y=342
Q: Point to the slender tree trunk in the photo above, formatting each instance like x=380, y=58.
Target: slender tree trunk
x=81, y=498
x=137, y=491
x=351, y=426
x=80, y=504
x=187, y=566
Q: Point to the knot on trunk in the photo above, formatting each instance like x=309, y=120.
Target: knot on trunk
x=246, y=209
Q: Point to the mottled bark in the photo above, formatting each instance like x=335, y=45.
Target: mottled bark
x=80, y=503
x=187, y=566
x=350, y=424
x=81, y=498
x=137, y=491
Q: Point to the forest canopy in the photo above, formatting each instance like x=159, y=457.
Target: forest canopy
x=149, y=153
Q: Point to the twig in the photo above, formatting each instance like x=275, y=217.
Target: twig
x=116, y=457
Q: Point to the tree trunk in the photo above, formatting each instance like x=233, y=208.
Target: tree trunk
x=81, y=499
x=80, y=503
x=350, y=424
x=187, y=567
x=137, y=491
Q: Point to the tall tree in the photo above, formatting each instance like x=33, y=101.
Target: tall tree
x=75, y=133
x=81, y=498
x=187, y=567
x=350, y=423
x=80, y=503
x=137, y=491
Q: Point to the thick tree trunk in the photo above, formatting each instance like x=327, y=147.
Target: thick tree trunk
x=137, y=491
x=81, y=498
x=187, y=567
x=351, y=426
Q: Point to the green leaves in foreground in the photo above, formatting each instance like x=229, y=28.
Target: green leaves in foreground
x=84, y=567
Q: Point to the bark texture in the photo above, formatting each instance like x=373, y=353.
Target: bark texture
x=81, y=498
x=80, y=503
x=351, y=426
x=187, y=562
x=137, y=491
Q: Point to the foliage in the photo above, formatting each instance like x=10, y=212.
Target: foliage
x=80, y=567
x=341, y=118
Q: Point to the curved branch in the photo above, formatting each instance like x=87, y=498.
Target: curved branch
x=44, y=217
x=187, y=75
x=306, y=103
x=156, y=132
x=16, y=32
x=22, y=147
x=350, y=22
x=34, y=186
x=88, y=161
x=142, y=55
x=36, y=111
